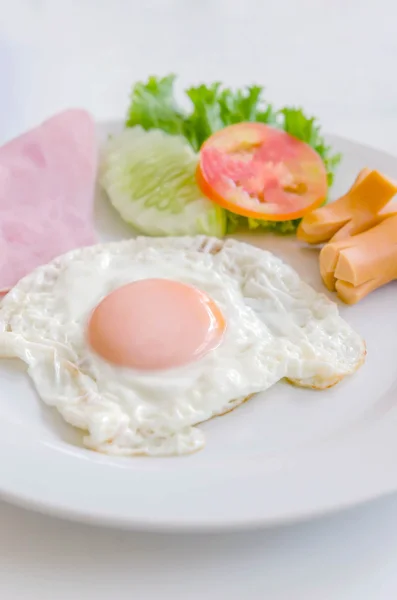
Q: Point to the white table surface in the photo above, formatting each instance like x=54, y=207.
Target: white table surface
x=337, y=59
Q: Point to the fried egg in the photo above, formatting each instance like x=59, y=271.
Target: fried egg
x=138, y=342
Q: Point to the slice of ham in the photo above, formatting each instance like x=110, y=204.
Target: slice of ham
x=47, y=183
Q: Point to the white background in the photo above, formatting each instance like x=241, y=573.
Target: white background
x=336, y=58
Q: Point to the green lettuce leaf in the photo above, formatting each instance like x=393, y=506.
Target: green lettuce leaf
x=153, y=106
x=213, y=107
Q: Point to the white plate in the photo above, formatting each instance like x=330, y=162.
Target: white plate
x=285, y=455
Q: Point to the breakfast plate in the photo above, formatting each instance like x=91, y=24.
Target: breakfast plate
x=287, y=454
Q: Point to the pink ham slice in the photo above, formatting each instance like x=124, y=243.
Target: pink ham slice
x=47, y=183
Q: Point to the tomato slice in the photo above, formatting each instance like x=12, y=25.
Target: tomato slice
x=261, y=172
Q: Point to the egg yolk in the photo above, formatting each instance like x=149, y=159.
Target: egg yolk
x=155, y=324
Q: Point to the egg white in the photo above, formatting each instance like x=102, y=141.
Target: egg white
x=277, y=327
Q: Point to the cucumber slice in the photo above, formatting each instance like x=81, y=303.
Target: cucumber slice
x=149, y=177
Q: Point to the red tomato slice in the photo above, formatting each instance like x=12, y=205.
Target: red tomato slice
x=261, y=172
